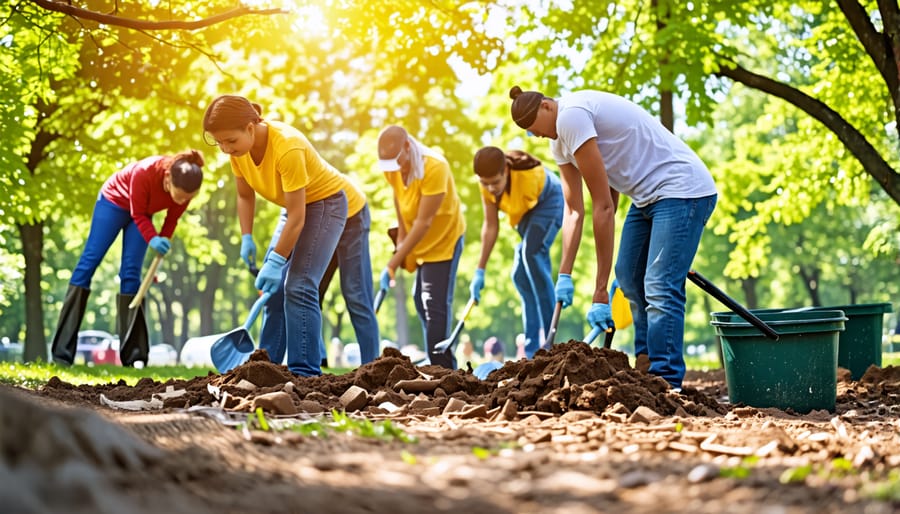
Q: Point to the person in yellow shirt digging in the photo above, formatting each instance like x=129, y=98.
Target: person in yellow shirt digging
x=431, y=229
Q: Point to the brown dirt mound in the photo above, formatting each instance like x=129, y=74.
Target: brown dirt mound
x=571, y=376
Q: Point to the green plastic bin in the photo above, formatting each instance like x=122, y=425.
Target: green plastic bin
x=798, y=371
x=859, y=345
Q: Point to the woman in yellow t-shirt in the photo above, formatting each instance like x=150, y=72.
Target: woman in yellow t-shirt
x=517, y=184
x=430, y=235
x=277, y=162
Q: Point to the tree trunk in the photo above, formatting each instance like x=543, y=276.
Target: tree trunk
x=32, y=237
x=748, y=286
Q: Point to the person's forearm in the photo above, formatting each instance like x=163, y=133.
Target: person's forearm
x=408, y=243
x=572, y=226
x=245, y=211
x=604, y=222
x=289, y=235
x=488, y=239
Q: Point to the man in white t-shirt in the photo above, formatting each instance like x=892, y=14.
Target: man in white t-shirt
x=615, y=147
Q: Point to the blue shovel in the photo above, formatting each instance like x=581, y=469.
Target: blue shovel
x=234, y=348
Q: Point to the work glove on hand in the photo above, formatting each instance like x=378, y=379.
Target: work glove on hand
x=477, y=285
x=600, y=316
x=248, y=249
x=269, y=278
x=160, y=244
x=386, y=278
x=565, y=289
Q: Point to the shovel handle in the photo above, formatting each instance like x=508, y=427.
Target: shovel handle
x=145, y=285
x=737, y=308
x=256, y=309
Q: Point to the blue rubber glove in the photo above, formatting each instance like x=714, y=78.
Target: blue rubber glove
x=386, y=279
x=600, y=316
x=612, y=291
x=565, y=289
x=248, y=249
x=160, y=244
x=477, y=284
x=269, y=278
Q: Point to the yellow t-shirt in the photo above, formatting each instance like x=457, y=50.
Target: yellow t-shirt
x=291, y=163
x=525, y=190
x=440, y=240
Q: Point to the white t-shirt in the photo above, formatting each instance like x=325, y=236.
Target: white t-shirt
x=643, y=159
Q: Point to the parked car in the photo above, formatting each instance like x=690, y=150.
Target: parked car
x=195, y=351
x=162, y=355
x=11, y=351
x=88, y=340
x=107, y=352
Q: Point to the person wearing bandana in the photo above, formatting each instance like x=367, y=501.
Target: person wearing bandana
x=430, y=231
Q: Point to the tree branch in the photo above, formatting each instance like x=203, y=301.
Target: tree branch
x=873, y=41
x=859, y=146
x=108, y=19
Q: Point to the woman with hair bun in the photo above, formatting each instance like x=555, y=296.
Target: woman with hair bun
x=614, y=146
x=125, y=205
x=517, y=184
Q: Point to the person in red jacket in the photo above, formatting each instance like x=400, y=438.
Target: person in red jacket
x=126, y=204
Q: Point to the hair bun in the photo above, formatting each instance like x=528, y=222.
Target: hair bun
x=514, y=92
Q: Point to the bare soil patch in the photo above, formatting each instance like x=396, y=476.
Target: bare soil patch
x=574, y=430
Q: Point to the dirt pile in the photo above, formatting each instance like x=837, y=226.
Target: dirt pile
x=572, y=376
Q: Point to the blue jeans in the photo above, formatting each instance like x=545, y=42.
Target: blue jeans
x=658, y=245
x=531, y=272
x=357, y=288
x=355, y=266
x=107, y=221
x=433, y=296
x=293, y=319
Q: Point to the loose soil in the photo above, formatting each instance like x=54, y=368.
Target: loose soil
x=575, y=430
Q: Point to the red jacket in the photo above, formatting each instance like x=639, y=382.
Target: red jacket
x=138, y=188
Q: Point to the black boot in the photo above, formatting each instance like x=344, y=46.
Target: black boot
x=134, y=342
x=65, y=340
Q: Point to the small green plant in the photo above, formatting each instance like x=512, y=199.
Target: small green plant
x=740, y=471
x=340, y=422
x=796, y=474
x=884, y=490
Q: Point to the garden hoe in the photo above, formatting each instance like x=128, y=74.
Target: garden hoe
x=234, y=348
x=447, y=344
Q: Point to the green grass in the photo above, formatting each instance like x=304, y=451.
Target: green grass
x=36, y=374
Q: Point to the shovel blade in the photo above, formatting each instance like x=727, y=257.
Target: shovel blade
x=232, y=350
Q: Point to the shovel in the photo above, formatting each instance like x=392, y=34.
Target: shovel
x=234, y=348
x=447, y=344
x=737, y=308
